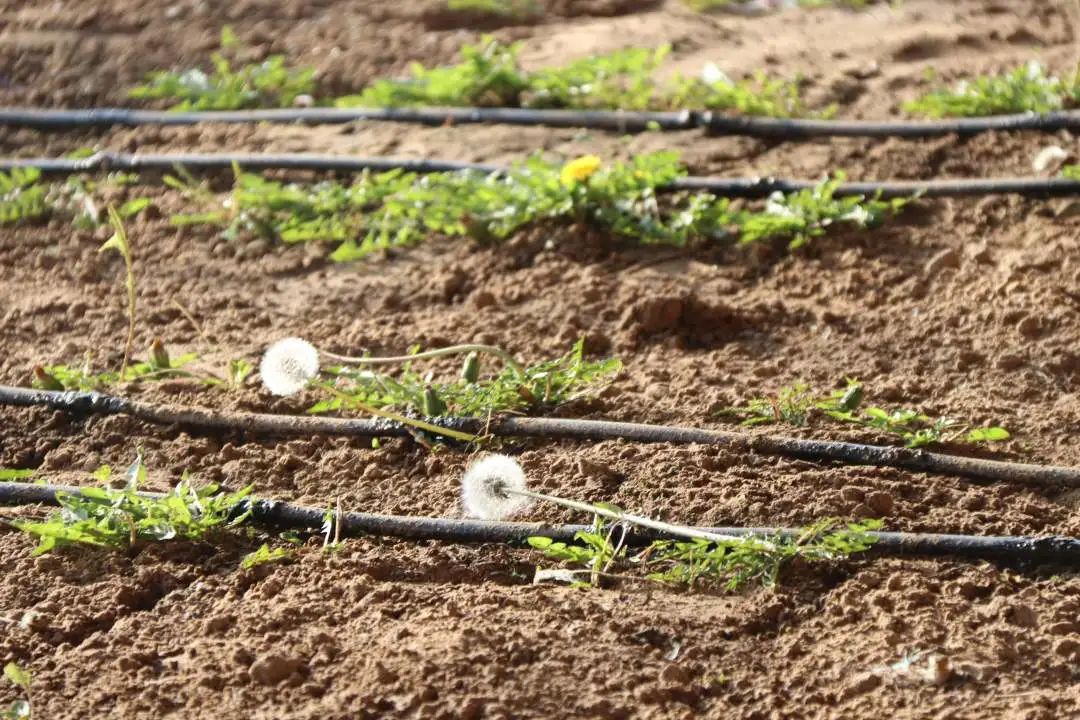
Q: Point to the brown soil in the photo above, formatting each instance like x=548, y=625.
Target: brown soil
x=963, y=307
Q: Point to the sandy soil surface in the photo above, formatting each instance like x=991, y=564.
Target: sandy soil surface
x=962, y=307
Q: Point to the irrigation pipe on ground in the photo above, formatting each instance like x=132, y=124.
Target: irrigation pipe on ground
x=283, y=515
x=616, y=120
x=552, y=428
x=755, y=187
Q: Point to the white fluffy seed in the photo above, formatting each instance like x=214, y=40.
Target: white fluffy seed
x=289, y=365
x=484, y=486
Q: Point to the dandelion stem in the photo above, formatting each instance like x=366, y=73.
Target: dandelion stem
x=419, y=424
x=680, y=530
x=438, y=352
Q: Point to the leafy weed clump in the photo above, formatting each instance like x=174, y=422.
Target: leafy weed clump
x=799, y=403
x=122, y=518
x=1026, y=89
x=23, y=196
x=398, y=209
x=271, y=83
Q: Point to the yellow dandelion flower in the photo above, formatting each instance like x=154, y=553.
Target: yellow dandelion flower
x=579, y=170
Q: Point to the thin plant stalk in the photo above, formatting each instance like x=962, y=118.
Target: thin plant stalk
x=389, y=415
x=119, y=242
x=438, y=352
x=619, y=515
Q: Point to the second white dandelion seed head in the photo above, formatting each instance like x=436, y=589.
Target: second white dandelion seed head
x=487, y=488
x=289, y=365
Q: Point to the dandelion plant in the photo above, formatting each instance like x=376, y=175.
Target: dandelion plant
x=495, y=488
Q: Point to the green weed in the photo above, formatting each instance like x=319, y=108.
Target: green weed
x=544, y=384
x=760, y=95
x=21, y=678
x=798, y=403
x=1026, y=89
x=7, y=474
x=810, y=213
x=265, y=555
x=518, y=10
x=398, y=209
x=83, y=377
x=23, y=196
x=271, y=83
x=698, y=562
x=122, y=518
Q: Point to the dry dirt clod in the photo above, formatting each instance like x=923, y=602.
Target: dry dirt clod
x=272, y=668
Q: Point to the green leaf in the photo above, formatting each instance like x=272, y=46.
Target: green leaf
x=988, y=434
x=17, y=675
x=134, y=207
x=15, y=474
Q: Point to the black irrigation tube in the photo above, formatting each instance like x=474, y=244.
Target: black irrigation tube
x=553, y=428
x=617, y=120
x=283, y=515
x=726, y=187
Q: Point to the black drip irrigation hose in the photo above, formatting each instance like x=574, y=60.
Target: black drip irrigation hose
x=282, y=515
x=86, y=403
x=725, y=187
x=615, y=120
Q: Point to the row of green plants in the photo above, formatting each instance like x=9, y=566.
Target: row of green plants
x=490, y=74
x=127, y=518
x=398, y=209
x=393, y=209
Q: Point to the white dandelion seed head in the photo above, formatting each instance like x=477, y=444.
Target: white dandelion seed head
x=289, y=365
x=484, y=486
x=711, y=74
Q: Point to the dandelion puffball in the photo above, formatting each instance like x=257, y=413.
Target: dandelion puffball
x=485, y=484
x=289, y=365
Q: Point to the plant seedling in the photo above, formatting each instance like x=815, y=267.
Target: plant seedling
x=264, y=555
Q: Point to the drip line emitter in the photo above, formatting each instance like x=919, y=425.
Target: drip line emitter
x=282, y=515
x=751, y=187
